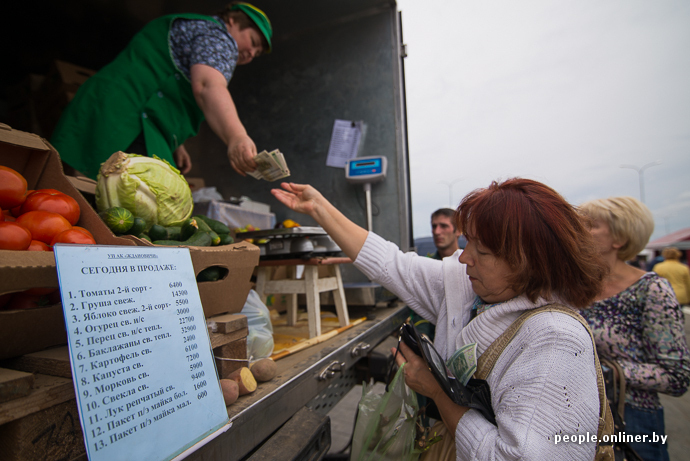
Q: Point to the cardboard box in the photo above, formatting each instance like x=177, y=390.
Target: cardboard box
x=195, y=183
x=22, y=332
x=229, y=294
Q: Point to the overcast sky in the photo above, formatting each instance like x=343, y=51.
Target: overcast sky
x=563, y=92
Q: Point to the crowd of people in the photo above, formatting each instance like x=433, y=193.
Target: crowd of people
x=527, y=249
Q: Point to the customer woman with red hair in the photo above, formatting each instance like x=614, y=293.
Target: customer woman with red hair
x=526, y=248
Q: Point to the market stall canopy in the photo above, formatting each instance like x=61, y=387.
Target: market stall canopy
x=679, y=239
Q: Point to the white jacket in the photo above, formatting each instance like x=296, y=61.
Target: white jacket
x=543, y=384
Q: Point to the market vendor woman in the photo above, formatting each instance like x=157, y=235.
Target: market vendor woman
x=155, y=94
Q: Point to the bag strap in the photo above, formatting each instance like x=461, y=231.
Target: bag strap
x=488, y=359
x=618, y=387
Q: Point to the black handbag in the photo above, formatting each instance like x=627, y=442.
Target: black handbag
x=615, y=394
x=475, y=394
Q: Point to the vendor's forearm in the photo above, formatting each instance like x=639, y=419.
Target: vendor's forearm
x=214, y=99
x=221, y=114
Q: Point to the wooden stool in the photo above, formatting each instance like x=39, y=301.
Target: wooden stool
x=311, y=285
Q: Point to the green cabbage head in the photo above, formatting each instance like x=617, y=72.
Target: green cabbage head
x=150, y=188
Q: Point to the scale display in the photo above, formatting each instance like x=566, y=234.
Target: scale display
x=366, y=169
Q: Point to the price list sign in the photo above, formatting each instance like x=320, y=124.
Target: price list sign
x=142, y=364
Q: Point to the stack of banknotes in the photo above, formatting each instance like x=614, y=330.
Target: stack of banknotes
x=270, y=166
x=463, y=363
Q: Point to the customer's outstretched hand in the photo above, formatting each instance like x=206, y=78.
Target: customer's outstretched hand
x=298, y=197
x=303, y=198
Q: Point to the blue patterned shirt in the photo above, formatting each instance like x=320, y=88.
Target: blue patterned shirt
x=642, y=328
x=194, y=41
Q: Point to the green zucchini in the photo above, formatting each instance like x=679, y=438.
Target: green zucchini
x=225, y=239
x=215, y=240
x=174, y=232
x=216, y=226
x=189, y=228
x=158, y=232
x=212, y=274
x=138, y=227
x=199, y=239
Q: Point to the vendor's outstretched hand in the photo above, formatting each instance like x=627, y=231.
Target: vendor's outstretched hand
x=241, y=153
x=297, y=197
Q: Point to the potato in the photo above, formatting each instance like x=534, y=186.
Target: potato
x=263, y=370
x=244, y=378
x=231, y=391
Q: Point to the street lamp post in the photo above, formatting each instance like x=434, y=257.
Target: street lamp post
x=450, y=189
x=640, y=173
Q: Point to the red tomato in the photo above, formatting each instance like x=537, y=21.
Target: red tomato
x=86, y=231
x=44, y=225
x=2, y=215
x=37, y=245
x=72, y=236
x=52, y=200
x=12, y=188
x=24, y=300
x=14, y=236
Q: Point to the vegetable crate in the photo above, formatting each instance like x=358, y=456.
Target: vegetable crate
x=229, y=293
x=25, y=331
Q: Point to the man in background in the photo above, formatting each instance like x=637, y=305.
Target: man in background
x=445, y=233
x=446, y=237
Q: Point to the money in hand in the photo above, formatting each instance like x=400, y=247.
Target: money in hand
x=463, y=362
x=270, y=166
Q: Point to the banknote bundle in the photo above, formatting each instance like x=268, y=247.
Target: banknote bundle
x=463, y=363
x=270, y=166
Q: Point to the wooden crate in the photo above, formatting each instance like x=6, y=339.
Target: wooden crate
x=44, y=424
x=42, y=421
x=229, y=343
x=51, y=434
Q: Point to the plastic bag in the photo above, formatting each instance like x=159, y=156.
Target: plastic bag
x=260, y=336
x=206, y=194
x=386, y=423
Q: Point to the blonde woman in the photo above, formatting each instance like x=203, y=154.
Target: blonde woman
x=676, y=273
x=636, y=320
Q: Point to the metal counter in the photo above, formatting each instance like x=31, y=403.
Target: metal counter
x=317, y=377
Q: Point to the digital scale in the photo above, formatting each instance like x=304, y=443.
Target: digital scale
x=366, y=171
x=293, y=242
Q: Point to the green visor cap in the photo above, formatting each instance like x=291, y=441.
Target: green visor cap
x=259, y=18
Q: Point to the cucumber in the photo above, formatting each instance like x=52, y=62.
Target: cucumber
x=144, y=237
x=138, y=226
x=174, y=232
x=215, y=240
x=118, y=219
x=158, y=232
x=189, y=228
x=199, y=239
x=216, y=226
x=225, y=239
x=211, y=274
